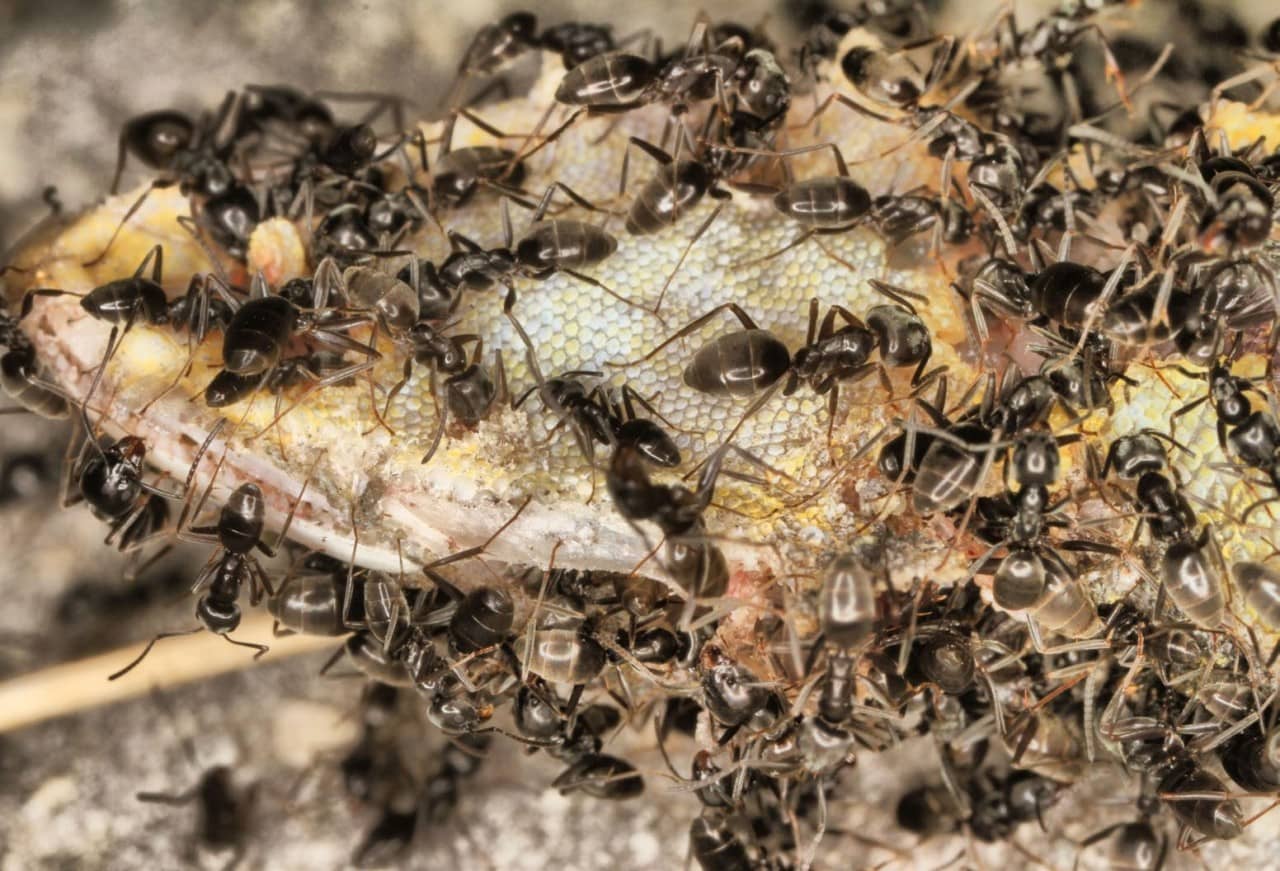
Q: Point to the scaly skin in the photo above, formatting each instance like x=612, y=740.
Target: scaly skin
x=475, y=481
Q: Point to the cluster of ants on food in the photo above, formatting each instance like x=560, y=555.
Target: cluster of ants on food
x=1054, y=683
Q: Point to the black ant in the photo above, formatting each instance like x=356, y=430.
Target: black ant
x=141, y=299
x=432, y=803
x=847, y=612
x=1192, y=570
x=596, y=415
x=549, y=246
x=951, y=468
x=108, y=474
x=693, y=559
x=1030, y=576
x=1252, y=436
x=225, y=809
x=752, y=360
x=471, y=389
x=237, y=533
x=261, y=327
x=575, y=737
x=24, y=379
x=1195, y=795
x=618, y=82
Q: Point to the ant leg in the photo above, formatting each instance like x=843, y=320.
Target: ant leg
x=331, y=337
x=794, y=243
x=349, y=587
x=522, y=155
x=328, y=381
x=442, y=414
x=150, y=644
x=828, y=323
x=395, y=391
x=1006, y=234
x=543, y=204
x=532, y=358
x=658, y=154
x=132, y=569
x=288, y=519
x=188, y=486
x=260, y=648
x=132, y=539
x=687, y=248
x=90, y=437
x=900, y=295
x=629, y=395
x=71, y=494
x=459, y=242
x=500, y=392
x=693, y=326
x=1037, y=641
x=586, y=279
x=479, y=122
x=122, y=153
x=717, y=456
x=129, y=213
x=833, y=402
x=165, y=798
x=841, y=100
x=28, y=298
x=470, y=552
x=155, y=256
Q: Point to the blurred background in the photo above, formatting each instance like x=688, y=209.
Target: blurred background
x=70, y=73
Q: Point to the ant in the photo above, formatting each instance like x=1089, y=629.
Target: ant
x=751, y=361
x=847, y=612
x=1196, y=796
x=619, y=82
x=1192, y=566
x=225, y=809
x=470, y=390
x=596, y=415
x=497, y=45
x=1019, y=519
x=950, y=470
x=109, y=477
x=1251, y=436
x=575, y=736
x=24, y=379
x=434, y=801
x=142, y=299
x=549, y=246
x=1053, y=39
x=254, y=341
x=731, y=141
x=1137, y=844
x=731, y=693
x=695, y=561
x=238, y=532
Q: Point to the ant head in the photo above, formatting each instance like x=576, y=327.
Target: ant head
x=132, y=450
